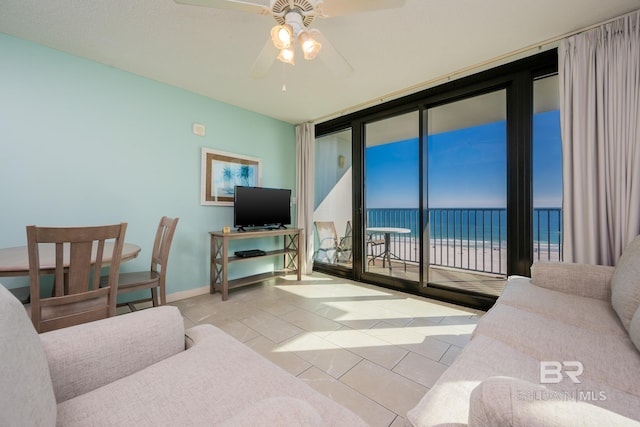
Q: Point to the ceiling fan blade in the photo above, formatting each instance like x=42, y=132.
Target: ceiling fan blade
x=229, y=4
x=330, y=56
x=265, y=59
x=329, y=8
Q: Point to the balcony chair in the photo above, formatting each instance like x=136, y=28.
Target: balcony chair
x=77, y=295
x=346, y=242
x=331, y=248
x=374, y=241
x=153, y=279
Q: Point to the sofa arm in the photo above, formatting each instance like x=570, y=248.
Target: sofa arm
x=87, y=356
x=593, y=281
x=199, y=333
x=505, y=401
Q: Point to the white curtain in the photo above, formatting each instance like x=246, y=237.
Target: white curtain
x=305, y=138
x=600, y=123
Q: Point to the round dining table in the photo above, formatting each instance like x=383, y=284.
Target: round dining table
x=14, y=261
x=387, y=254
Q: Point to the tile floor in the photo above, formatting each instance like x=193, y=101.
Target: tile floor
x=376, y=351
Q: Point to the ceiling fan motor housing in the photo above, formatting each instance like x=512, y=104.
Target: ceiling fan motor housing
x=305, y=8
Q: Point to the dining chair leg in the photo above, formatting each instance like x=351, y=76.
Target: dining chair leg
x=154, y=296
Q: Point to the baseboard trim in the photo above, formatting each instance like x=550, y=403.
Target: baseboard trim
x=188, y=293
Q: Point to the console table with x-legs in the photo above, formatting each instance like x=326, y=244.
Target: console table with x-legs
x=291, y=251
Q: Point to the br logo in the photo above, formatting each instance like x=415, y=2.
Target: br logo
x=551, y=372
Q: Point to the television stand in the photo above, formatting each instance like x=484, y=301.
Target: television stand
x=276, y=227
x=293, y=242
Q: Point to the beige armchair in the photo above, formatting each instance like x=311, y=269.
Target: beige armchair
x=142, y=369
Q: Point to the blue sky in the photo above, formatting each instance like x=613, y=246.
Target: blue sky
x=467, y=168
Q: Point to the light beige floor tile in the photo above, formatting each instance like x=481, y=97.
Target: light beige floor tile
x=373, y=413
x=367, y=309
x=367, y=346
x=413, y=308
x=451, y=355
x=188, y=323
x=345, y=318
x=420, y=369
x=238, y=330
x=453, y=334
x=286, y=360
x=336, y=289
x=210, y=309
x=321, y=353
x=460, y=320
x=272, y=327
x=311, y=322
x=277, y=308
x=389, y=389
x=410, y=340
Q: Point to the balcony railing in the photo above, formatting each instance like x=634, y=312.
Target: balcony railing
x=468, y=238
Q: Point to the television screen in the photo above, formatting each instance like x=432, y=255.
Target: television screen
x=261, y=207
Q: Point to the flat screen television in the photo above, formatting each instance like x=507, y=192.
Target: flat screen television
x=261, y=207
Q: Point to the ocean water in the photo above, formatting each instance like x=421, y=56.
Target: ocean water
x=486, y=225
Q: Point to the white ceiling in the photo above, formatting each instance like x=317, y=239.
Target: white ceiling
x=211, y=52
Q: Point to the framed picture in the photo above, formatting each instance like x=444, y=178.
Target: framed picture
x=221, y=172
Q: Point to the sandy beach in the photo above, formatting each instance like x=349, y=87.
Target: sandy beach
x=468, y=255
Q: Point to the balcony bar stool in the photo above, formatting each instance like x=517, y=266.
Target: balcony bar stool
x=155, y=277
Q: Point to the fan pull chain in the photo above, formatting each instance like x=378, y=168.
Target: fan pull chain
x=284, y=77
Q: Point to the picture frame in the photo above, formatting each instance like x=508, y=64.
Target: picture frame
x=221, y=172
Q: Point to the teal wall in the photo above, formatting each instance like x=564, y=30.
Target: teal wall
x=82, y=143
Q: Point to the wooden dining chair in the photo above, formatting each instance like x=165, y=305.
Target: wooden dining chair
x=154, y=278
x=80, y=253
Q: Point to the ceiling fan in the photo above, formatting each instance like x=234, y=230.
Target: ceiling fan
x=293, y=22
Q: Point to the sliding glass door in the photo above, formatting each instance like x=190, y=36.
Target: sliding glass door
x=391, y=226
x=467, y=196
x=547, y=171
x=333, y=236
x=453, y=188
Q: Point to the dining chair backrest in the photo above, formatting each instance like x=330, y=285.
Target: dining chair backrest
x=162, y=244
x=153, y=279
x=78, y=254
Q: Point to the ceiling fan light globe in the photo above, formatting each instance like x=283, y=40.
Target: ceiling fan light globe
x=310, y=47
x=282, y=36
x=287, y=56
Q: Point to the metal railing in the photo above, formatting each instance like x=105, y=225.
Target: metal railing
x=471, y=239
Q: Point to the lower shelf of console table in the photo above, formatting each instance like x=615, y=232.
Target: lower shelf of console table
x=220, y=259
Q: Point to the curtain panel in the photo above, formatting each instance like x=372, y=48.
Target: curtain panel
x=599, y=74
x=305, y=138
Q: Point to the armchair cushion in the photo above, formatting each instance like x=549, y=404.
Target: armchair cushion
x=27, y=395
x=625, y=284
x=93, y=354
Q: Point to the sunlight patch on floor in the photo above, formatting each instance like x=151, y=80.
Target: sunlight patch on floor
x=338, y=290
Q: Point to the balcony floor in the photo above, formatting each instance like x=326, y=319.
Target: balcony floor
x=455, y=278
